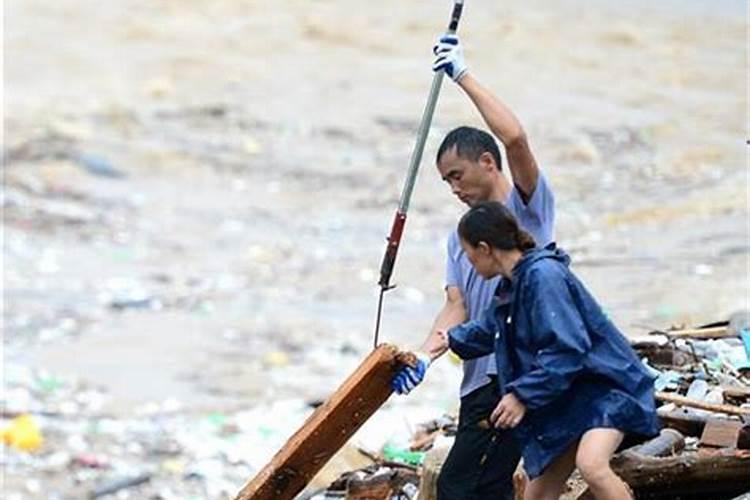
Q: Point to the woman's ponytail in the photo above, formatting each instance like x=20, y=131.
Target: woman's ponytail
x=524, y=240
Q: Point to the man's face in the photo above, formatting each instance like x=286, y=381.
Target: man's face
x=469, y=180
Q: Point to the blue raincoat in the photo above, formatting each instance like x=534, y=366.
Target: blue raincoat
x=562, y=358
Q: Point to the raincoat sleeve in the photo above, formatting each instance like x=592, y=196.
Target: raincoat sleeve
x=558, y=332
x=475, y=338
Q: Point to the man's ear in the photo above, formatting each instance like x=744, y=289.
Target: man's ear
x=487, y=161
x=484, y=247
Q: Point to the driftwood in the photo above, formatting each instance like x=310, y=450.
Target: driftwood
x=328, y=428
x=743, y=439
x=717, y=332
x=383, y=485
x=695, y=473
x=718, y=408
x=722, y=471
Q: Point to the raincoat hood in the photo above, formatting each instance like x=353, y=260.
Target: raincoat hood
x=536, y=254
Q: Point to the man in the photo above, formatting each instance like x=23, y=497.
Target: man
x=481, y=463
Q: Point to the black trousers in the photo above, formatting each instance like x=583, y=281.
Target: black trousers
x=481, y=463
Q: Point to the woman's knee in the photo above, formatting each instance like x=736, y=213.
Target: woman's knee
x=593, y=467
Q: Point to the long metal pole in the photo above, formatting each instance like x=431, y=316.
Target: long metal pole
x=399, y=221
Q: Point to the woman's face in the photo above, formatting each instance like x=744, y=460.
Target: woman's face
x=481, y=258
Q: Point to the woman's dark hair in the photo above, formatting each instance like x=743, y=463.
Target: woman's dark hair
x=493, y=223
x=470, y=143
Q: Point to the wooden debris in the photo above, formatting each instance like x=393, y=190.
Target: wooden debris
x=743, y=439
x=328, y=428
x=720, y=433
x=665, y=355
x=717, y=332
x=718, y=408
x=688, y=473
x=382, y=485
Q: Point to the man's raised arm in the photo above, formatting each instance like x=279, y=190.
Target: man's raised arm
x=498, y=116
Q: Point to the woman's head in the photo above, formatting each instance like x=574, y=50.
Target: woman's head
x=488, y=233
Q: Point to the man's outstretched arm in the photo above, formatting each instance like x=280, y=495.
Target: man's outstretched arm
x=452, y=314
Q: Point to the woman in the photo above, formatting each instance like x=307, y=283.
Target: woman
x=572, y=388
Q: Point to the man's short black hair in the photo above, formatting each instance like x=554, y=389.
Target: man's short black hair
x=470, y=143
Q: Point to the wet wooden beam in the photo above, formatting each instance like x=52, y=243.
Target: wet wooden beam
x=693, y=403
x=717, y=332
x=328, y=428
x=692, y=473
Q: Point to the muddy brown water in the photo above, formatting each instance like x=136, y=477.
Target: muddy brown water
x=262, y=148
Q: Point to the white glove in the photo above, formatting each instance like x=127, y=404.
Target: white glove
x=450, y=57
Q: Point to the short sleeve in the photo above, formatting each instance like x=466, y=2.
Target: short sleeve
x=453, y=267
x=537, y=215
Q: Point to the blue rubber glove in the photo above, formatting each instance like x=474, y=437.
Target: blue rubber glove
x=408, y=378
x=450, y=57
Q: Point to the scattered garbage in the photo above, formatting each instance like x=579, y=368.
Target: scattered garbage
x=23, y=434
x=704, y=404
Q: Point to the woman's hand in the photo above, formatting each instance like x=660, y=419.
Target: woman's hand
x=508, y=412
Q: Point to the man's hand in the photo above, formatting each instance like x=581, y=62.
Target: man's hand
x=408, y=378
x=450, y=57
x=508, y=412
x=436, y=344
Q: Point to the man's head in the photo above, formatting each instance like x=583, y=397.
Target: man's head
x=469, y=160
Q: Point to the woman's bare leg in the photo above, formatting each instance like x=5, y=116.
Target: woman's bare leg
x=595, y=449
x=549, y=485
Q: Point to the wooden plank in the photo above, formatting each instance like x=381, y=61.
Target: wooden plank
x=328, y=428
x=688, y=473
x=718, y=408
x=721, y=433
x=717, y=332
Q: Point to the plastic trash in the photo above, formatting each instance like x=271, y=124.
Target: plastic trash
x=745, y=336
x=24, y=434
x=697, y=390
x=118, y=484
x=98, y=165
x=403, y=455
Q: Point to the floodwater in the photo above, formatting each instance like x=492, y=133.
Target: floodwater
x=197, y=194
